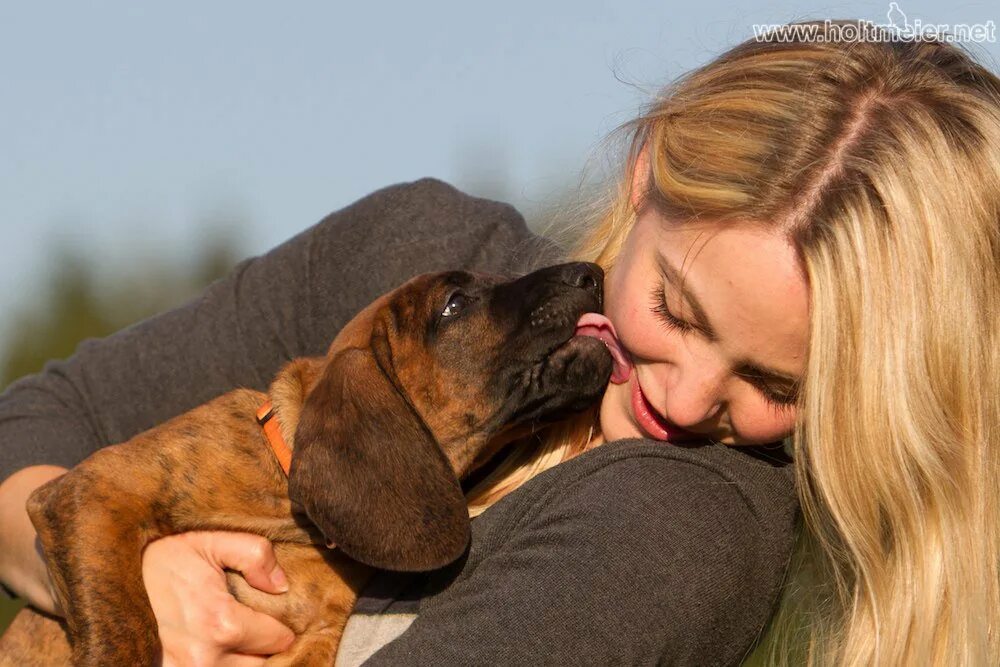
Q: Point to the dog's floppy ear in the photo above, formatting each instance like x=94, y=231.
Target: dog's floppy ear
x=370, y=475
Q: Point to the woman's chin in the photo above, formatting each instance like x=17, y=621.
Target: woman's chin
x=616, y=421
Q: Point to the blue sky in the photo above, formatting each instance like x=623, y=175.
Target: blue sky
x=128, y=129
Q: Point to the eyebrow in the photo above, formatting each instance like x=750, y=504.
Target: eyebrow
x=744, y=367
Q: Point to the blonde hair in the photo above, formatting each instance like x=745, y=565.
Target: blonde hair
x=881, y=161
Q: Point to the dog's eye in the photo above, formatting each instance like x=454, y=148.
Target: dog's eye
x=455, y=305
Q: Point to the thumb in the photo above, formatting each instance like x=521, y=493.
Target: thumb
x=250, y=555
x=257, y=633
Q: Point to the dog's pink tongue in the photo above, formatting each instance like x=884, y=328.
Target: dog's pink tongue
x=597, y=326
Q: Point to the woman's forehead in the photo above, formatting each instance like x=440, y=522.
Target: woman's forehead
x=748, y=281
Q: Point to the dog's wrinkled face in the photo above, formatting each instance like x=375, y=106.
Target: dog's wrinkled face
x=417, y=386
x=493, y=354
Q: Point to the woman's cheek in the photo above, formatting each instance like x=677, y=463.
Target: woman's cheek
x=763, y=423
x=637, y=327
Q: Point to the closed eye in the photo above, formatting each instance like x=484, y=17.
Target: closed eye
x=780, y=398
x=660, y=308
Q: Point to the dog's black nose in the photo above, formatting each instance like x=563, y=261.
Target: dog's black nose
x=570, y=289
x=584, y=275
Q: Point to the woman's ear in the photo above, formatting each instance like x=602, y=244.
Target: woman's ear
x=370, y=475
x=640, y=178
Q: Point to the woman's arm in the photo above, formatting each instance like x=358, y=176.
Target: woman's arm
x=286, y=303
x=634, y=553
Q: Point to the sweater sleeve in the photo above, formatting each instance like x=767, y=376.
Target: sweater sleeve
x=288, y=302
x=643, y=554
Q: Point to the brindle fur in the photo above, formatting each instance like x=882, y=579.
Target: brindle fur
x=382, y=404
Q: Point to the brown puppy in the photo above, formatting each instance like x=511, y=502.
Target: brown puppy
x=420, y=388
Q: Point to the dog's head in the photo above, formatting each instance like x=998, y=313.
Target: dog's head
x=415, y=389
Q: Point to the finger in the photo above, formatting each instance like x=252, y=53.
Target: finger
x=240, y=660
x=251, y=555
x=255, y=633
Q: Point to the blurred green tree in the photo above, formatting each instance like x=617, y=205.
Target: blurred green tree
x=77, y=303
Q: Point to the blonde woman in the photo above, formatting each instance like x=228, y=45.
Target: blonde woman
x=803, y=247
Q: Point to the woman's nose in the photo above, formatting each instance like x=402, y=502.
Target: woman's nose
x=693, y=394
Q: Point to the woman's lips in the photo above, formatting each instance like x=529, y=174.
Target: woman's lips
x=598, y=326
x=650, y=420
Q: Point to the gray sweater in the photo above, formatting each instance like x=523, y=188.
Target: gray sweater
x=636, y=552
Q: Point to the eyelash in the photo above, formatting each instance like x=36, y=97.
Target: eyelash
x=658, y=305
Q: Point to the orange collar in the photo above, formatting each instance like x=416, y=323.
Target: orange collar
x=268, y=420
x=272, y=431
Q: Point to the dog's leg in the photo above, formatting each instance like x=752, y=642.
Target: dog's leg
x=316, y=649
x=93, y=542
x=323, y=586
x=208, y=469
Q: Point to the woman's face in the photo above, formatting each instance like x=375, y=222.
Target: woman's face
x=714, y=320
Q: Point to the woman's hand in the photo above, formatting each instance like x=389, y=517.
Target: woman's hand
x=200, y=623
